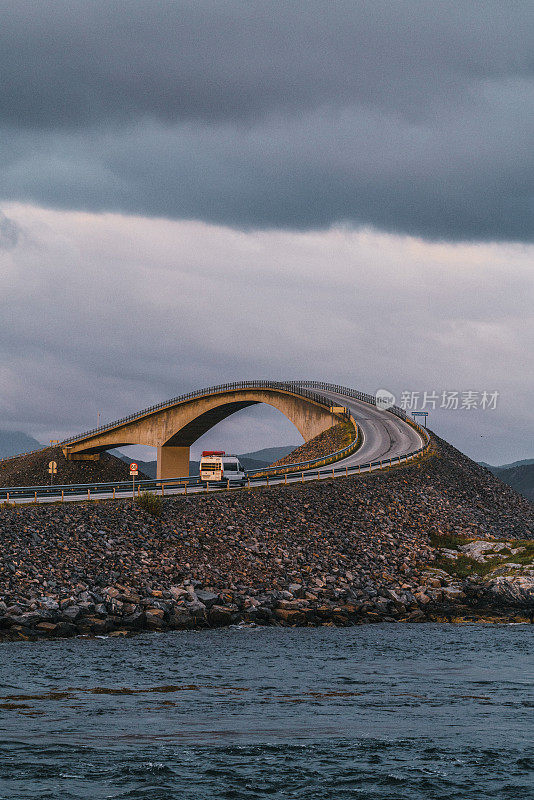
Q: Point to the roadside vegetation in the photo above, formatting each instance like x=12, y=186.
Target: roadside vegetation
x=150, y=502
x=464, y=566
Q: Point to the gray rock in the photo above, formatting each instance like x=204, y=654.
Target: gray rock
x=479, y=550
x=207, y=598
x=72, y=612
x=49, y=603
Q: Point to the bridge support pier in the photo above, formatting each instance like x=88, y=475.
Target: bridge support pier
x=173, y=462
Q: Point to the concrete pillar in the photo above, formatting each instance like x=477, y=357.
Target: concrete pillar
x=173, y=462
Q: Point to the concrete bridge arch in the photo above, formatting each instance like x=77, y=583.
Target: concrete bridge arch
x=174, y=427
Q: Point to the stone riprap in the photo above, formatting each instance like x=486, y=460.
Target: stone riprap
x=32, y=469
x=330, y=441
x=352, y=550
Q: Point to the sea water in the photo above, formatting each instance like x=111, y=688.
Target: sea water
x=377, y=711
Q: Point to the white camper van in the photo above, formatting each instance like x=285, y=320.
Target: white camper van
x=216, y=465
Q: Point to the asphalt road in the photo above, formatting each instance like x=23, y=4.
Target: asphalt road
x=385, y=436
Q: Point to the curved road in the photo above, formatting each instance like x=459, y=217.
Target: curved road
x=385, y=436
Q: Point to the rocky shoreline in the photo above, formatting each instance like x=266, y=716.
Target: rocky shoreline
x=440, y=540
x=118, y=611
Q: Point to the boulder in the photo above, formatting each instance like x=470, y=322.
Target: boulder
x=453, y=593
x=481, y=549
x=219, y=616
x=207, y=598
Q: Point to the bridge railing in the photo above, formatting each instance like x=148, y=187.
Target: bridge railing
x=348, y=392
x=288, y=386
x=181, y=485
x=254, y=476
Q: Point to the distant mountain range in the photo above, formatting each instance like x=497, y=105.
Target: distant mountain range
x=519, y=475
x=525, y=463
x=270, y=454
x=14, y=442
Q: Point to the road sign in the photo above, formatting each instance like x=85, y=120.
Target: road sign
x=420, y=414
x=134, y=469
x=52, y=467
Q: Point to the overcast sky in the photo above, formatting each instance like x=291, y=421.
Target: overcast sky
x=196, y=192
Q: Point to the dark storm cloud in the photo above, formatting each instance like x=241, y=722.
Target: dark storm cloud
x=411, y=116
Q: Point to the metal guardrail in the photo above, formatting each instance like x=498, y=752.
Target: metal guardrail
x=314, y=462
x=123, y=489
x=254, y=476
x=259, y=473
x=348, y=392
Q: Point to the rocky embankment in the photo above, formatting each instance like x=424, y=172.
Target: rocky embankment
x=330, y=441
x=380, y=547
x=32, y=469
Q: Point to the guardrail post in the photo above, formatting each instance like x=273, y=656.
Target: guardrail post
x=35, y=497
x=7, y=497
x=185, y=489
x=346, y=472
x=285, y=478
x=114, y=493
x=163, y=490
x=207, y=486
x=302, y=477
x=228, y=485
x=266, y=480
x=62, y=497
x=88, y=494
x=333, y=472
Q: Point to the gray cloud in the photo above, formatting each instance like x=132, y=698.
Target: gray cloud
x=114, y=313
x=411, y=116
x=9, y=233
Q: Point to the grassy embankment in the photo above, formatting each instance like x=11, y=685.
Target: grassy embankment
x=464, y=566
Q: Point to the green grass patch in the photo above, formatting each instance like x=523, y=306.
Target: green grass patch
x=348, y=434
x=448, y=540
x=464, y=567
x=150, y=502
x=527, y=557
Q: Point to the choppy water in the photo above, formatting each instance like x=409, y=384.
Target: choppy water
x=382, y=711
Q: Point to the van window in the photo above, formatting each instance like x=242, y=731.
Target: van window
x=231, y=467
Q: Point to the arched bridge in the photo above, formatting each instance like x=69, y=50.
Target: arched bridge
x=173, y=426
